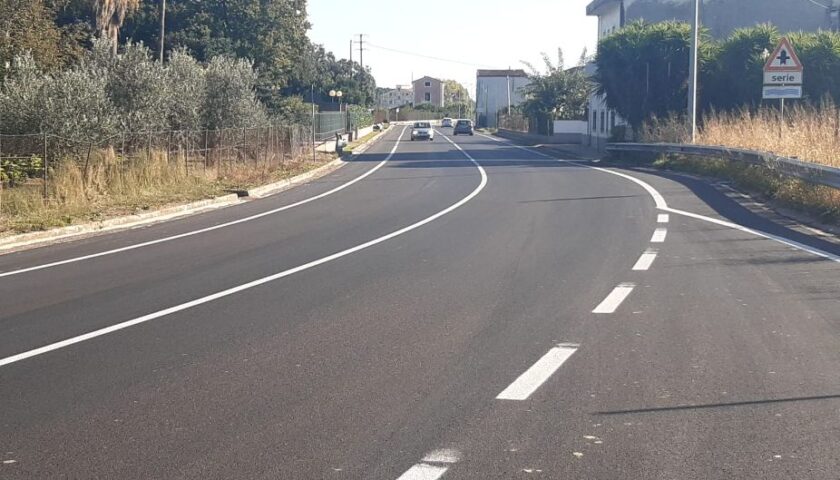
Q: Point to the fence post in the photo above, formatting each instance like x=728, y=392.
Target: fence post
x=46, y=167
x=206, y=152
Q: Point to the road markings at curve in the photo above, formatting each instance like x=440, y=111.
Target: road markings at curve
x=645, y=261
x=214, y=227
x=661, y=204
x=663, y=218
x=615, y=298
x=659, y=235
x=534, y=377
x=254, y=283
x=427, y=470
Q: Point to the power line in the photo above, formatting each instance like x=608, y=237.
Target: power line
x=819, y=4
x=414, y=54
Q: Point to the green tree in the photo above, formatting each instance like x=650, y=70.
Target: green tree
x=643, y=70
x=733, y=75
x=558, y=93
x=28, y=26
x=456, y=99
x=820, y=55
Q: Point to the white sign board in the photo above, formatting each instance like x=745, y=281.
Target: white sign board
x=777, y=92
x=783, y=74
x=783, y=78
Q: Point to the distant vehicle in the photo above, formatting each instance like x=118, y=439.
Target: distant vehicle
x=377, y=127
x=463, y=127
x=446, y=123
x=422, y=131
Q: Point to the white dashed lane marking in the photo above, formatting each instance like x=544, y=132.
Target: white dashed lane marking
x=614, y=299
x=659, y=235
x=645, y=261
x=534, y=377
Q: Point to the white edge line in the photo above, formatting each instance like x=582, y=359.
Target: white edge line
x=769, y=236
x=423, y=471
x=645, y=261
x=255, y=283
x=615, y=298
x=533, y=378
x=662, y=205
x=214, y=227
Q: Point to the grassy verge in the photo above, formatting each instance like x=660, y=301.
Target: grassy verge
x=111, y=187
x=809, y=133
x=361, y=141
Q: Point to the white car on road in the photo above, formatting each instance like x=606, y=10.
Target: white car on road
x=422, y=131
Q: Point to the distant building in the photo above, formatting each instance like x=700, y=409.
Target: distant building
x=428, y=90
x=395, y=97
x=721, y=17
x=494, y=90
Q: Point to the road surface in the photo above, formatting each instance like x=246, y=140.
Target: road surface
x=468, y=309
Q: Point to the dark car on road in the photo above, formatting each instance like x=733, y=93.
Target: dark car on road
x=463, y=127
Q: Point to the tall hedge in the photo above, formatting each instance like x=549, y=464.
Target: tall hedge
x=643, y=68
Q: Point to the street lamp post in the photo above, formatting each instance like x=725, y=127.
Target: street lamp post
x=692, y=73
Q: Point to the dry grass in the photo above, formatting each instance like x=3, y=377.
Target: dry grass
x=809, y=133
x=110, y=186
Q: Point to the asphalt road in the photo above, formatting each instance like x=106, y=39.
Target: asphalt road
x=478, y=311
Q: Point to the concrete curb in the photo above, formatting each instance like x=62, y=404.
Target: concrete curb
x=277, y=187
x=73, y=232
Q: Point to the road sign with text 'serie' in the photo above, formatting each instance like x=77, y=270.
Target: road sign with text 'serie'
x=783, y=73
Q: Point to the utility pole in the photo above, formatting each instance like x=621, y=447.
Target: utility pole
x=361, y=51
x=351, y=53
x=834, y=15
x=162, y=26
x=692, y=73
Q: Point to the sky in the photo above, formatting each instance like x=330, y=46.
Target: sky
x=463, y=35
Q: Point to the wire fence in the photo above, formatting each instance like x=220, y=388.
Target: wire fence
x=328, y=124
x=33, y=160
x=517, y=123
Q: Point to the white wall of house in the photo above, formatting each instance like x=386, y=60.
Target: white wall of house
x=492, y=96
x=571, y=126
x=395, y=97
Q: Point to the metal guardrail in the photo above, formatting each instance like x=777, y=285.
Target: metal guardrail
x=790, y=167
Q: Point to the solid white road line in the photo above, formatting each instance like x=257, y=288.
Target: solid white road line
x=645, y=261
x=614, y=299
x=214, y=227
x=534, y=377
x=423, y=471
x=252, y=284
x=659, y=235
x=662, y=205
x=769, y=236
x=663, y=218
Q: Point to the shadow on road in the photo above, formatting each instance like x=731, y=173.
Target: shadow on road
x=719, y=405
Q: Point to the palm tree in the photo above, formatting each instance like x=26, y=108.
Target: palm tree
x=110, y=15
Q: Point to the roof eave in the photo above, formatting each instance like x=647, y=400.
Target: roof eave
x=596, y=7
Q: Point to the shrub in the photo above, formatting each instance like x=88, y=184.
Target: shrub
x=231, y=100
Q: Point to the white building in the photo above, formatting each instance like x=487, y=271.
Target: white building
x=603, y=120
x=494, y=89
x=395, y=97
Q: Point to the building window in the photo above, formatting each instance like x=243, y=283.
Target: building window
x=428, y=96
x=603, y=121
x=428, y=84
x=612, y=120
x=595, y=121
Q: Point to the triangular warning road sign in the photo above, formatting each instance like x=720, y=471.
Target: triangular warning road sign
x=783, y=59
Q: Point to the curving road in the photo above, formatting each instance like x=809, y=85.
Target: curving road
x=466, y=309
